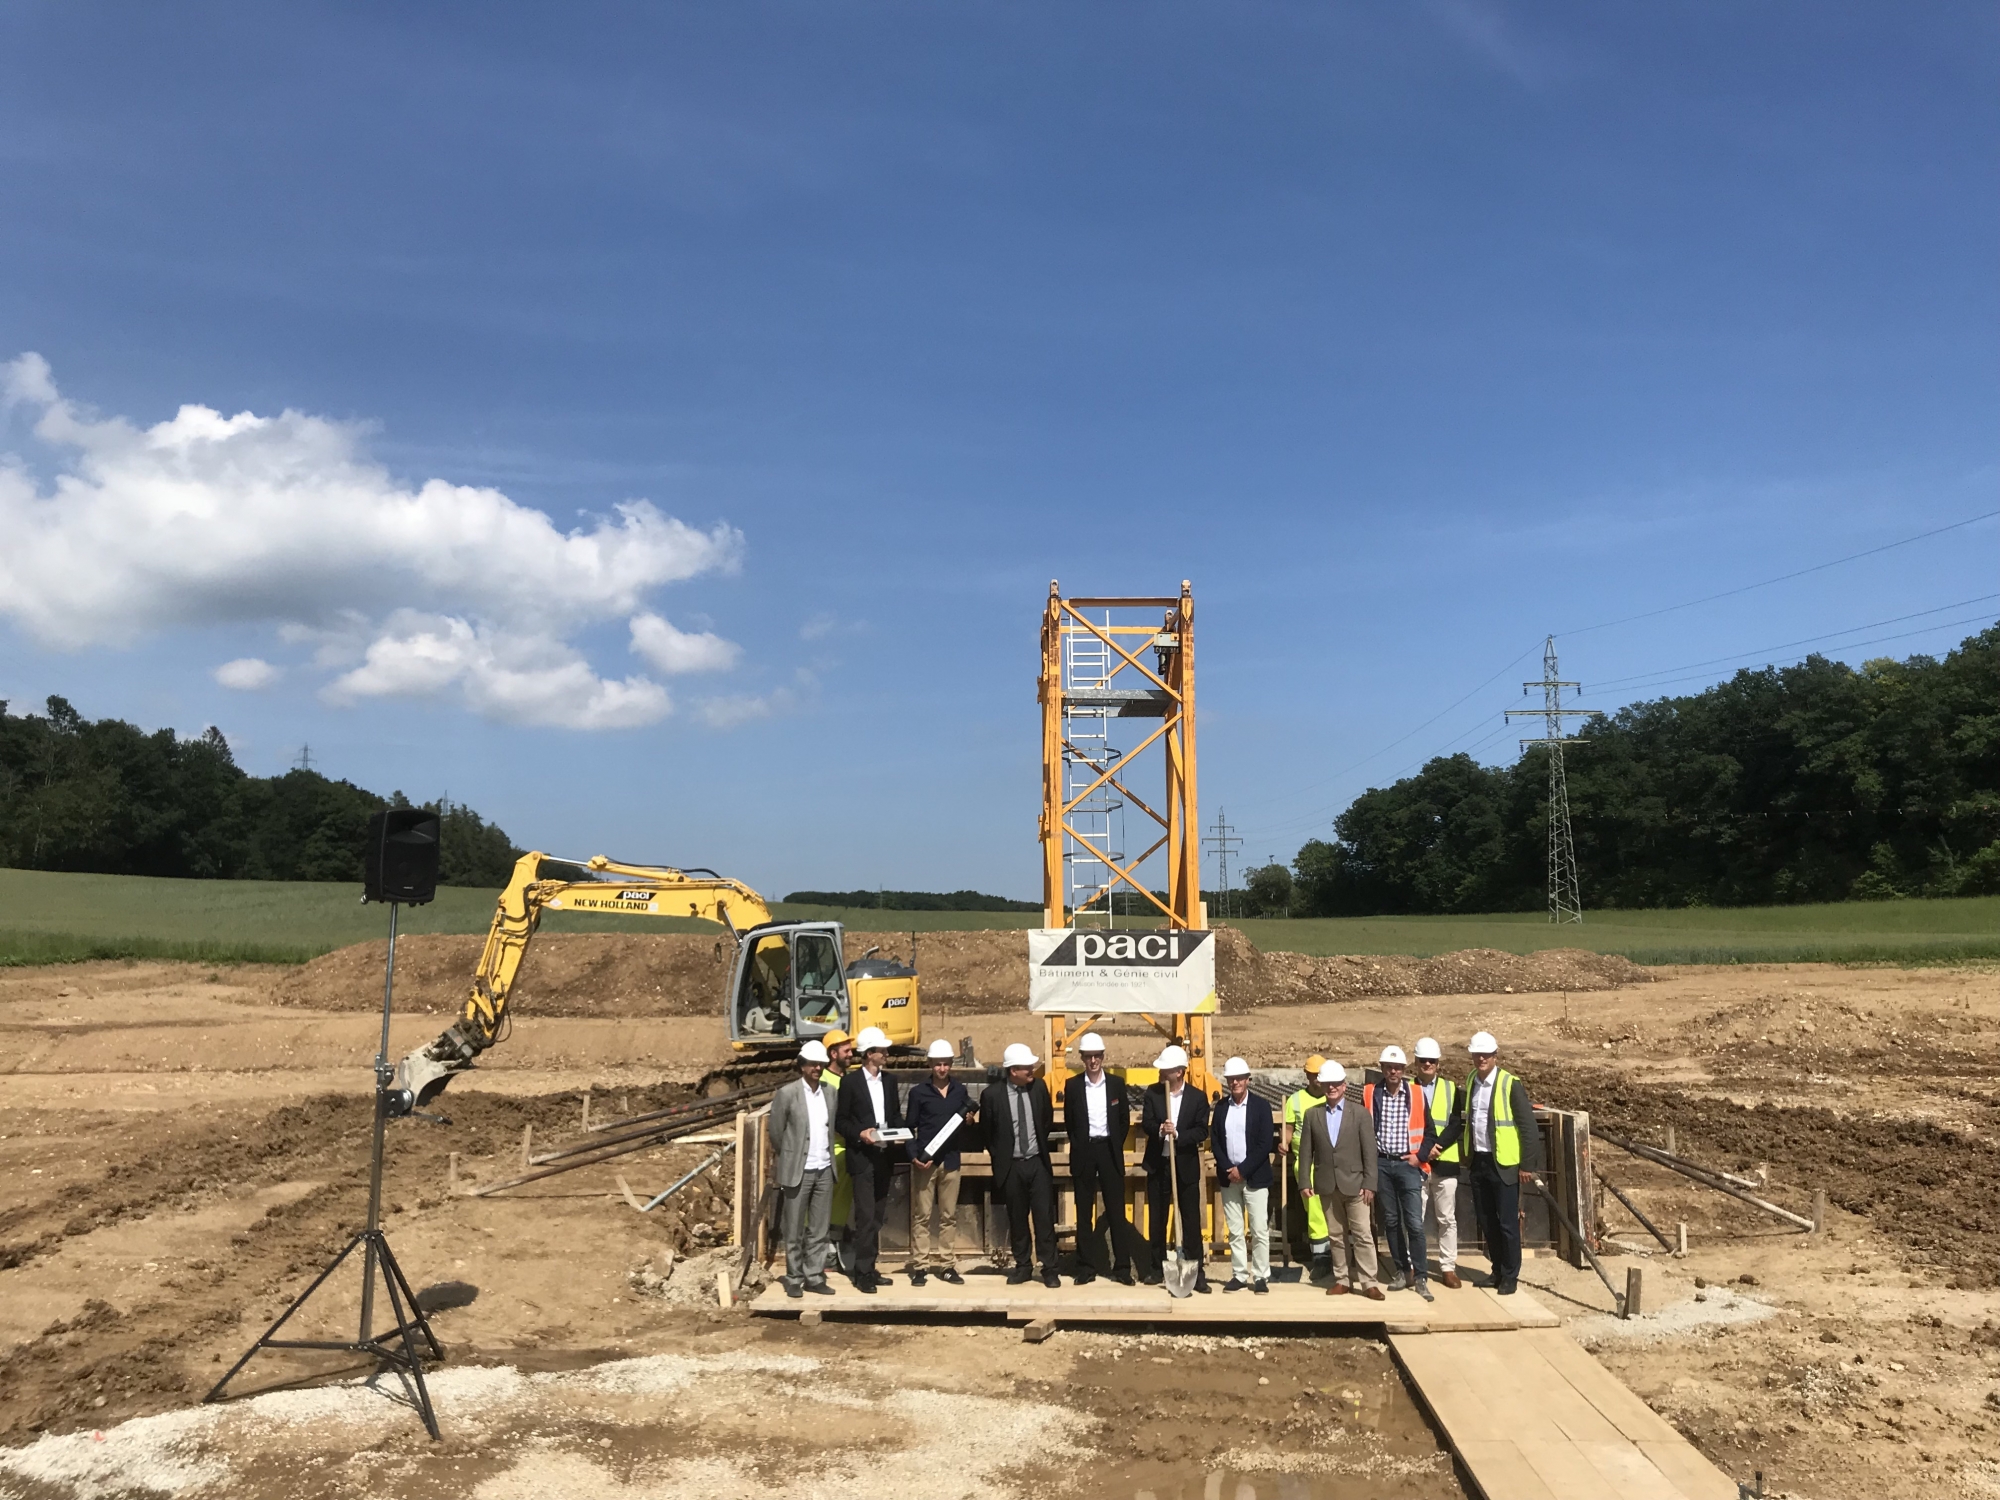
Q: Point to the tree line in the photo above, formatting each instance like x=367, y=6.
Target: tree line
x=106, y=797
x=913, y=900
x=1812, y=782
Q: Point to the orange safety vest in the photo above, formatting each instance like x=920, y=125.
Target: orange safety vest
x=1417, y=1119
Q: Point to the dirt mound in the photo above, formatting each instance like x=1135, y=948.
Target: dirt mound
x=1248, y=978
x=964, y=973
x=566, y=974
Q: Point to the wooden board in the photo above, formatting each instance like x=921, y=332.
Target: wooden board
x=1104, y=1301
x=1533, y=1417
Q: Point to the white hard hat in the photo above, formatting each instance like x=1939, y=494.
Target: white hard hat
x=813, y=1052
x=1482, y=1041
x=942, y=1051
x=1018, y=1055
x=1428, y=1049
x=1333, y=1072
x=1171, y=1057
x=1236, y=1067
x=871, y=1038
x=1090, y=1042
x=1393, y=1054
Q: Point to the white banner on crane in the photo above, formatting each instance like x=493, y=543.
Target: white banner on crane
x=1095, y=972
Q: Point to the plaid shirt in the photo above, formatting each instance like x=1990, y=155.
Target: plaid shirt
x=1392, y=1120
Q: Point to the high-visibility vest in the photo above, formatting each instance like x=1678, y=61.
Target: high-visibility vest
x=1416, y=1113
x=1506, y=1134
x=1443, y=1091
x=1295, y=1114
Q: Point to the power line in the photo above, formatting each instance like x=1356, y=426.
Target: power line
x=1812, y=639
x=1901, y=635
x=1377, y=754
x=1786, y=577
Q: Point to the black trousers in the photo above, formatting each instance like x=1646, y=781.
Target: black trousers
x=1097, y=1170
x=1497, y=1205
x=1030, y=1194
x=1159, y=1188
x=871, y=1170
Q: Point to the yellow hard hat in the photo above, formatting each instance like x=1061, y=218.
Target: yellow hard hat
x=835, y=1037
x=1314, y=1064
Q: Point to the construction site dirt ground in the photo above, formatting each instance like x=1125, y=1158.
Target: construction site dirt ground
x=184, y=1152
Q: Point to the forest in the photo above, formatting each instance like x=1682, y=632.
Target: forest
x=106, y=797
x=1812, y=782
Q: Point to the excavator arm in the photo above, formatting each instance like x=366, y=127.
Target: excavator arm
x=643, y=890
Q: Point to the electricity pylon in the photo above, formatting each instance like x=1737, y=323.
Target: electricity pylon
x=1222, y=843
x=1565, y=893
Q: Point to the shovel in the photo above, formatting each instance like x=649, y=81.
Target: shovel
x=1179, y=1272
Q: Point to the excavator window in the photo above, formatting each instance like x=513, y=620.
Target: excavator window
x=764, y=1007
x=819, y=978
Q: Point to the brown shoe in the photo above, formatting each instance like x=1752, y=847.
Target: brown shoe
x=1374, y=1294
x=1450, y=1279
x=1338, y=1289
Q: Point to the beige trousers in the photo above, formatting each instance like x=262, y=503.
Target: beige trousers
x=1353, y=1233
x=933, y=1189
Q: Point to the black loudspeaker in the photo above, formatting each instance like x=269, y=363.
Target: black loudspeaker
x=401, y=863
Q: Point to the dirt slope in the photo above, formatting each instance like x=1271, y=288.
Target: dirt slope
x=964, y=973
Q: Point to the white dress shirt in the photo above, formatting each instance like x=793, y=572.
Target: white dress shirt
x=874, y=1082
x=1482, y=1112
x=819, y=1144
x=1236, y=1130
x=1094, y=1097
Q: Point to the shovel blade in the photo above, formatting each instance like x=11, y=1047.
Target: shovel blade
x=1179, y=1275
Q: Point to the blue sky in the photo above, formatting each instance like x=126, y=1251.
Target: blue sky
x=1408, y=333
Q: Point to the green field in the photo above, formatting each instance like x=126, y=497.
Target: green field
x=1846, y=932
x=48, y=918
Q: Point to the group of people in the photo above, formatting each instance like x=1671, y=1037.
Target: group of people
x=1399, y=1145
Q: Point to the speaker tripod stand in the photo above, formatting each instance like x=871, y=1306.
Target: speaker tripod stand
x=401, y=1347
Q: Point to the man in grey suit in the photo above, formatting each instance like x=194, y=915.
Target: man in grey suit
x=1337, y=1161
x=802, y=1141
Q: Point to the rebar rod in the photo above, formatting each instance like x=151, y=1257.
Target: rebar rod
x=674, y=1109
x=1633, y=1209
x=713, y=1157
x=704, y=1114
x=1705, y=1176
x=1617, y=1297
x=607, y=1151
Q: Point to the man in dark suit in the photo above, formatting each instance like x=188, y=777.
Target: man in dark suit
x=1495, y=1121
x=1018, y=1119
x=1174, y=1118
x=1242, y=1136
x=1098, y=1117
x=869, y=1104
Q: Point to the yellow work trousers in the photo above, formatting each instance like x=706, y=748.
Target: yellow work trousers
x=1315, y=1215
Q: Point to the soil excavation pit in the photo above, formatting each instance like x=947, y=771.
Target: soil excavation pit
x=186, y=1153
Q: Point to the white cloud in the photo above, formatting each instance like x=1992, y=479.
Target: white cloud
x=284, y=520
x=729, y=710
x=247, y=674
x=518, y=678
x=674, y=651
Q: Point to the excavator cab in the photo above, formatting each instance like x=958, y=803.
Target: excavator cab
x=789, y=985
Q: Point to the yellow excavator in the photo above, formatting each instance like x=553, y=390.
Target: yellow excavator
x=789, y=984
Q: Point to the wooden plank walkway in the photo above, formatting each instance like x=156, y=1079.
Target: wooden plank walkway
x=1288, y=1305
x=1533, y=1417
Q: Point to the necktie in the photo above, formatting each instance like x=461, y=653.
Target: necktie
x=1021, y=1146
